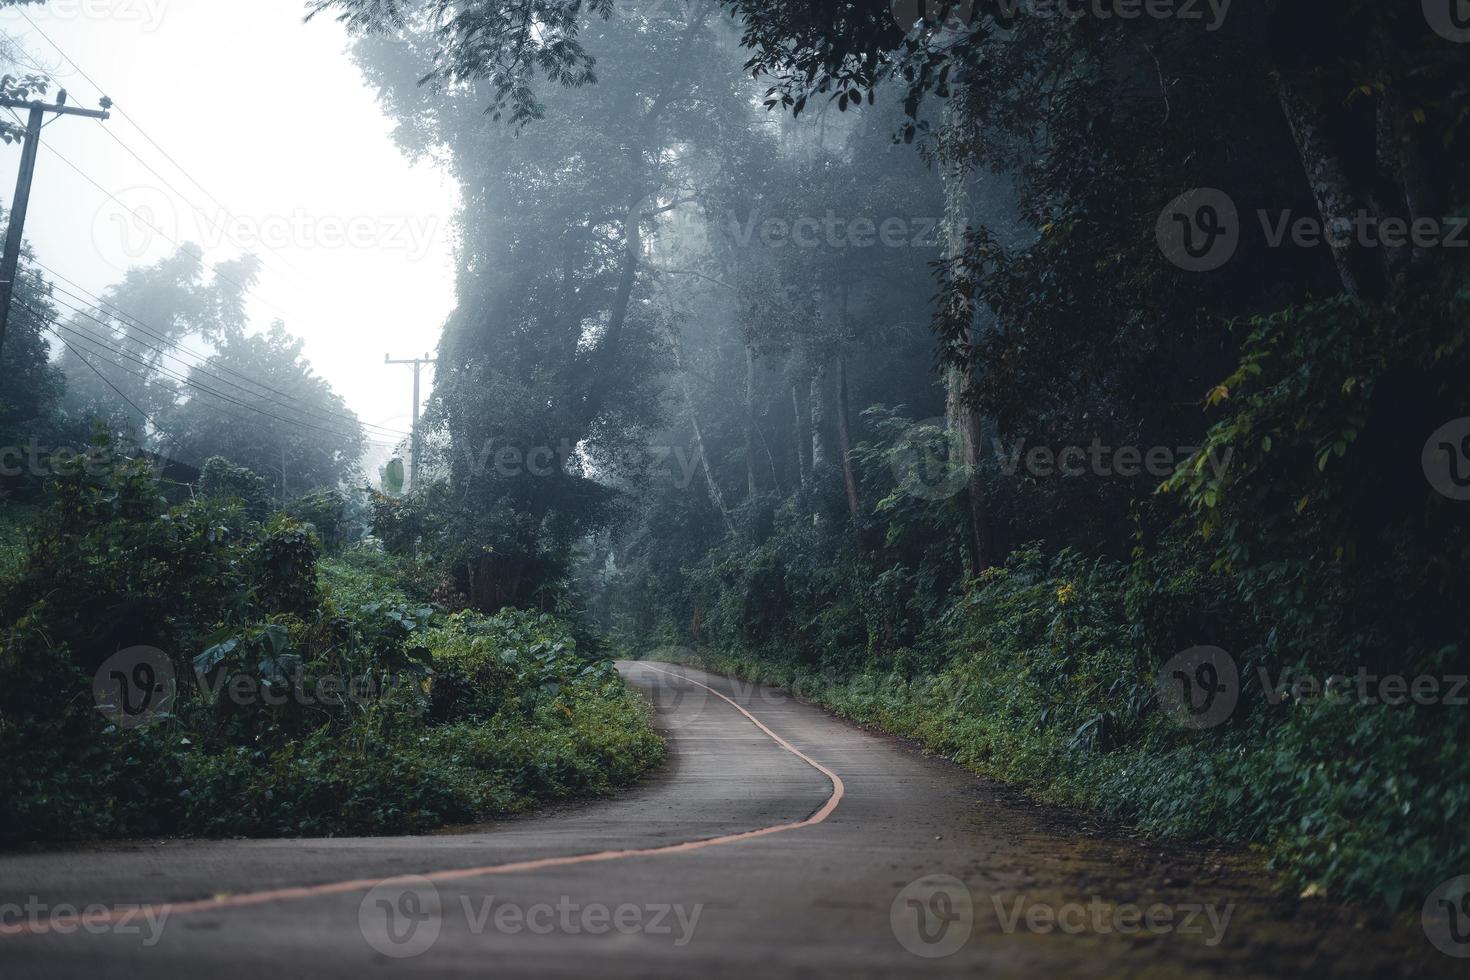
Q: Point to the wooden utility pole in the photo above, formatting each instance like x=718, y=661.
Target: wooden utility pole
x=413, y=463
x=10, y=264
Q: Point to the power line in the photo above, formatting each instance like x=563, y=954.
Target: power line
x=84, y=335
x=178, y=193
x=221, y=275
x=144, y=133
x=100, y=375
x=149, y=224
x=157, y=230
x=128, y=319
x=195, y=367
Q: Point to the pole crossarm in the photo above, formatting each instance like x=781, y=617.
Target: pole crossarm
x=60, y=110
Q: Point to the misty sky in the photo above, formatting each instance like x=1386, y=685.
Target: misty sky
x=272, y=117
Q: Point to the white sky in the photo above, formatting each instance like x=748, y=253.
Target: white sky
x=271, y=116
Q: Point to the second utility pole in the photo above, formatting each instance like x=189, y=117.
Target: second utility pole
x=413, y=463
x=10, y=264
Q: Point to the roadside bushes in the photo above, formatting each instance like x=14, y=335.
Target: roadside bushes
x=506, y=663
x=310, y=696
x=1047, y=677
x=223, y=480
x=328, y=513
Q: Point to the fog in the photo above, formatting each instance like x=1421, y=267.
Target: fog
x=894, y=489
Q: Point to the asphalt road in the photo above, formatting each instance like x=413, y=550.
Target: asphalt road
x=778, y=841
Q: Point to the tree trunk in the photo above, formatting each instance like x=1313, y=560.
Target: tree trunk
x=715, y=495
x=604, y=372
x=817, y=414
x=1303, y=98
x=962, y=422
x=750, y=487
x=816, y=391
x=844, y=438
x=801, y=437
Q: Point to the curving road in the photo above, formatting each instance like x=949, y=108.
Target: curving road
x=778, y=841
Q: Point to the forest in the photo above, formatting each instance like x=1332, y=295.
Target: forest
x=1072, y=390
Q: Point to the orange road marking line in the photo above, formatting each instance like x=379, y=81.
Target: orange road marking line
x=457, y=874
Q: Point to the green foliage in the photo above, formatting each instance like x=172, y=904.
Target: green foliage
x=512, y=660
x=311, y=699
x=222, y=479
x=301, y=436
x=286, y=556
x=327, y=511
x=1301, y=535
x=399, y=522
x=363, y=573
x=1042, y=675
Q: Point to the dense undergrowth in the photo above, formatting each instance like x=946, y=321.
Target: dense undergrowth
x=312, y=696
x=1040, y=675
